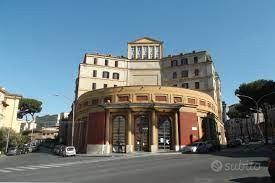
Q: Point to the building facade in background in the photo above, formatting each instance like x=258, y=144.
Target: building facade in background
x=48, y=121
x=144, y=94
x=8, y=110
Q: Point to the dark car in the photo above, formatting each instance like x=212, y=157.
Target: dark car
x=24, y=149
x=271, y=166
x=12, y=151
x=234, y=143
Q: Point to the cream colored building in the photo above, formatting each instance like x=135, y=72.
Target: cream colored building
x=194, y=71
x=8, y=110
x=145, y=65
x=142, y=67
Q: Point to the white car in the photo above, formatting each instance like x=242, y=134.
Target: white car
x=68, y=151
x=196, y=147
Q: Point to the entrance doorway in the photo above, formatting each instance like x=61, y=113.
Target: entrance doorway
x=142, y=133
x=164, y=133
x=119, y=134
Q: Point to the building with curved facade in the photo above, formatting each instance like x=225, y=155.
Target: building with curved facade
x=146, y=102
x=144, y=118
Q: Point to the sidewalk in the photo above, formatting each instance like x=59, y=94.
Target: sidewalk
x=133, y=154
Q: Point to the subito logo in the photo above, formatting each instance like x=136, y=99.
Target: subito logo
x=216, y=166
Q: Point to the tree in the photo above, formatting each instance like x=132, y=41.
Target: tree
x=28, y=106
x=256, y=90
x=239, y=111
x=15, y=139
x=263, y=92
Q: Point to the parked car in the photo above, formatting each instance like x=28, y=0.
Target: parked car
x=271, y=166
x=196, y=147
x=234, y=143
x=24, y=149
x=12, y=151
x=68, y=151
x=32, y=148
x=57, y=149
x=211, y=145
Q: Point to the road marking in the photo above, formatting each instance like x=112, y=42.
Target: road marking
x=26, y=167
x=4, y=171
x=52, y=165
x=15, y=169
x=37, y=166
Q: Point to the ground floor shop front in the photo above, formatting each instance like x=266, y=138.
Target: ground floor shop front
x=138, y=130
x=144, y=118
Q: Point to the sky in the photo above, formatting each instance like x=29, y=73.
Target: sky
x=43, y=42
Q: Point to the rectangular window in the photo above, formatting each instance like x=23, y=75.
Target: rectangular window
x=157, y=52
x=197, y=71
x=191, y=101
x=174, y=63
x=174, y=75
x=105, y=74
x=94, y=101
x=161, y=98
x=197, y=85
x=115, y=85
x=95, y=61
x=123, y=98
x=94, y=73
x=202, y=102
x=133, y=52
x=177, y=99
x=106, y=62
x=139, y=52
x=105, y=86
x=107, y=99
x=195, y=60
x=142, y=98
x=184, y=74
x=185, y=85
x=151, y=52
x=94, y=86
x=115, y=75
x=184, y=61
x=145, y=52
x=116, y=63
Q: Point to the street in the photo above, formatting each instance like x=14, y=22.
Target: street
x=218, y=167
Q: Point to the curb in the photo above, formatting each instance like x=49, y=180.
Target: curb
x=126, y=155
x=93, y=155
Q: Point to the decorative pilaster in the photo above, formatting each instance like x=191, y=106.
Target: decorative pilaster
x=129, y=130
x=107, y=131
x=154, y=132
x=176, y=125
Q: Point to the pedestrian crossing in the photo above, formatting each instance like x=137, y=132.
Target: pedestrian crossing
x=57, y=165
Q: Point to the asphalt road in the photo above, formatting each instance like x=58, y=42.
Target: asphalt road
x=233, y=165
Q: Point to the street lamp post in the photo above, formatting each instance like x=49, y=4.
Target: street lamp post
x=73, y=111
x=257, y=107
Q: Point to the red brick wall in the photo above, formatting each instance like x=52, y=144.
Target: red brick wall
x=96, y=128
x=187, y=120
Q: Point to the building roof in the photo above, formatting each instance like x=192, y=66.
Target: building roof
x=8, y=94
x=187, y=54
x=145, y=40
